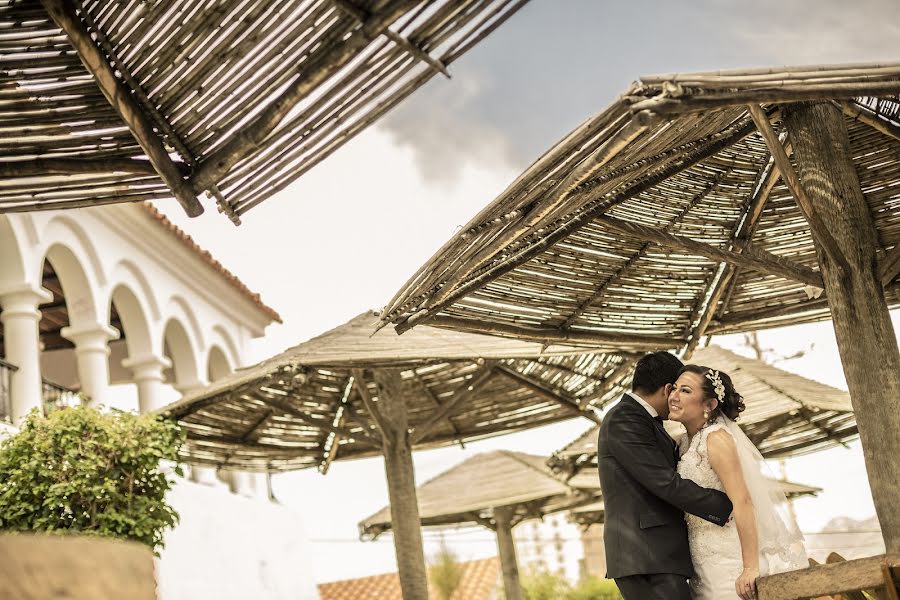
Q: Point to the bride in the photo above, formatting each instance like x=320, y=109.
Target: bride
x=760, y=538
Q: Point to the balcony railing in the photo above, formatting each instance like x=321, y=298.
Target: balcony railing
x=53, y=395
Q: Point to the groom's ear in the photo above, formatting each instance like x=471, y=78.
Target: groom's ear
x=669, y=388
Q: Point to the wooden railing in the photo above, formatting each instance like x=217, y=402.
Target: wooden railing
x=55, y=396
x=872, y=578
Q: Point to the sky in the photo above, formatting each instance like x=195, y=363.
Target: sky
x=348, y=234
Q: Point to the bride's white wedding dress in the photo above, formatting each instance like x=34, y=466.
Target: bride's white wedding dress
x=715, y=550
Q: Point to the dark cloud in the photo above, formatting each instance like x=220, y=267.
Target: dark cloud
x=558, y=61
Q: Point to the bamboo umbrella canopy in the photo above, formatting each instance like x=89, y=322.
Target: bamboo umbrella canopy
x=123, y=101
x=348, y=394
x=786, y=414
x=497, y=490
x=700, y=204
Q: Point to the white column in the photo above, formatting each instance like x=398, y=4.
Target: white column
x=20, y=317
x=147, y=372
x=92, y=354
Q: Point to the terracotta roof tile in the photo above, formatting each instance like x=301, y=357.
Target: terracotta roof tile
x=480, y=581
x=230, y=277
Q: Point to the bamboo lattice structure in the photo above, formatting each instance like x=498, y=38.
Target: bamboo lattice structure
x=310, y=405
x=468, y=493
x=666, y=216
x=105, y=102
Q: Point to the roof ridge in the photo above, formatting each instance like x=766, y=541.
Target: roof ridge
x=159, y=217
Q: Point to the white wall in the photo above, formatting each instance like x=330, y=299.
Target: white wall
x=228, y=547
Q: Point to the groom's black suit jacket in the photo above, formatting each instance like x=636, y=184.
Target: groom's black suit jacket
x=645, y=499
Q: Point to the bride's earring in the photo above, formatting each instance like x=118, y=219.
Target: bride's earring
x=706, y=415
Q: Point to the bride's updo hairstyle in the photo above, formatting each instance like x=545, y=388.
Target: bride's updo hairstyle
x=731, y=404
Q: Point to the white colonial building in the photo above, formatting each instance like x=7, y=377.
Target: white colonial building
x=120, y=305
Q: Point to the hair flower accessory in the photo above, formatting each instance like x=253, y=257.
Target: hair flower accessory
x=718, y=386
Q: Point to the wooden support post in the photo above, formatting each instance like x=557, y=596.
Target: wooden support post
x=120, y=98
x=459, y=395
x=866, y=338
x=401, y=479
x=506, y=546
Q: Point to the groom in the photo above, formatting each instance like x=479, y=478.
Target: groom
x=645, y=499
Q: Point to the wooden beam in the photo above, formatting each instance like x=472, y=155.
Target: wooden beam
x=551, y=335
x=362, y=16
x=343, y=405
x=750, y=257
x=769, y=427
x=856, y=112
x=819, y=229
x=359, y=381
x=120, y=98
x=298, y=414
x=461, y=393
x=251, y=136
x=40, y=167
x=826, y=580
x=437, y=402
x=889, y=267
x=541, y=389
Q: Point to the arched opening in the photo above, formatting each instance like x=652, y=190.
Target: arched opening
x=72, y=301
x=217, y=365
x=183, y=374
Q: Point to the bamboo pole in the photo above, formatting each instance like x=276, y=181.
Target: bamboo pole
x=541, y=389
x=459, y=395
x=506, y=546
x=398, y=467
x=122, y=101
x=819, y=229
x=213, y=168
x=866, y=338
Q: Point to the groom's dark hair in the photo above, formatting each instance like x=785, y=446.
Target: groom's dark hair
x=655, y=370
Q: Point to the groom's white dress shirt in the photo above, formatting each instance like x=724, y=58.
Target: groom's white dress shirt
x=645, y=404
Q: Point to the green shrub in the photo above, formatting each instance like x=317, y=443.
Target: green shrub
x=82, y=471
x=445, y=572
x=544, y=586
x=594, y=588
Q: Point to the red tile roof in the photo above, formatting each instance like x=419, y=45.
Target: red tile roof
x=230, y=277
x=480, y=581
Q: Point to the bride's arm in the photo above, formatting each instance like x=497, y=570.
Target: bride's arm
x=724, y=460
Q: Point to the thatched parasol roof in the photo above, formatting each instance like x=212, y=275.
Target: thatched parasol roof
x=665, y=215
x=468, y=493
x=228, y=98
x=786, y=414
x=304, y=407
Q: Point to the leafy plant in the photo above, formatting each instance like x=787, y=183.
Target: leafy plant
x=82, y=471
x=594, y=588
x=544, y=586
x=445, y=572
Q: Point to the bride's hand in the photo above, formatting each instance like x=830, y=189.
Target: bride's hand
x=745, y=586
